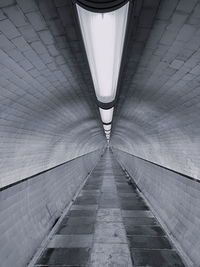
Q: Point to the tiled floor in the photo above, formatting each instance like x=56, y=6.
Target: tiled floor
x=109, y=225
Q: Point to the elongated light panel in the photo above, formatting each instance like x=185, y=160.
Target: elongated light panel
x=103, y=36
x=106, y=115
x=107, y=127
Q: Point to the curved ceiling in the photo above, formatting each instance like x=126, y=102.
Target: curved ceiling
x=48, y=109
x=48, y=105
x=158, y=113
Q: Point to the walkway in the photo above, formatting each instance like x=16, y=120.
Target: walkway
x=108, y=224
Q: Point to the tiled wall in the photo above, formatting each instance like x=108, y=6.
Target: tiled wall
x=175, y=198
x=29, y=209
x=157, y=117
x=47, y=110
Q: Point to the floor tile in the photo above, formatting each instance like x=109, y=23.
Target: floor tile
x=110, y=255
x=81, y=220
x=109, y=203
x=124, y=188
x=71, y=241
x=128, y=195
x=90, y=193
x=91, y=187
x=149, y=242
x=81, y=228
x=109, y=215
x=82, y=213
x=156, y=258
x=109, y=232
x=129, y=222
x=87, y=200
x=67, y=256
x=144, y=230
x=137, y=213
x=84, y=207
x=134, y=206
x=131, y=200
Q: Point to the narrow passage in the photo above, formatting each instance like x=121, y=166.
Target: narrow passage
x=109, y=225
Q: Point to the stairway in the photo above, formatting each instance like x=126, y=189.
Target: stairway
x=109, y=224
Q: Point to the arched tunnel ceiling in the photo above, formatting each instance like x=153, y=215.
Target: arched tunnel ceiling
x=48, y=111
x=158, y=112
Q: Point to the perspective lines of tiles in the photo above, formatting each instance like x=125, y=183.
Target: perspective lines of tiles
x=109, y=225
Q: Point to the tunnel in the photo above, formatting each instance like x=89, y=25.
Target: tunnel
x=100, y=133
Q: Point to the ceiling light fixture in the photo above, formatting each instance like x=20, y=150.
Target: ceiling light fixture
x=106, y=115
x=103, y=36
x=103, y=28
x=107, y=127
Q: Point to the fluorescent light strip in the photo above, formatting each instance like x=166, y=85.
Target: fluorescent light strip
x=107, y=127
x=106, y=115
x=103, y=36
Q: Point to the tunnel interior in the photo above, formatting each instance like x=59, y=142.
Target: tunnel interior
x=99, y=133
